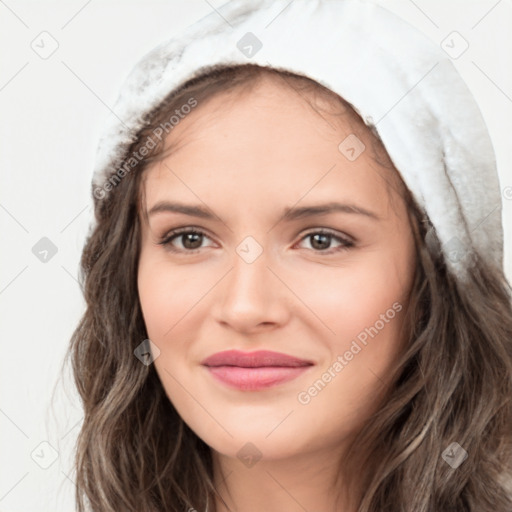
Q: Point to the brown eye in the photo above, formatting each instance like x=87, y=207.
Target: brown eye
x=190, y=240
x=320, y=241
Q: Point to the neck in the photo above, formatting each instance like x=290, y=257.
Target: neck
x=305, y=482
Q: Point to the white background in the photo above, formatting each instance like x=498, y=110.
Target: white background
x=52, y=111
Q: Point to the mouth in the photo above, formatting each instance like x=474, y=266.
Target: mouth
x=252, y=371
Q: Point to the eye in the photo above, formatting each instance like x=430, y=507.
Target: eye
x=320, y=240
x=190, y=238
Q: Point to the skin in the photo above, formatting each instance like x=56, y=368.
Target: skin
x=247, y=158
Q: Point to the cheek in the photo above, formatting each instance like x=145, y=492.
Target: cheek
x=347, y=301
x=165, y=295
x=364, y=307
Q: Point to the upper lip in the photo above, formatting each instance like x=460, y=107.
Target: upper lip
x=259, y=358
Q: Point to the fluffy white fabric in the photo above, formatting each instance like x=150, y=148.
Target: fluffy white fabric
x=395, y=77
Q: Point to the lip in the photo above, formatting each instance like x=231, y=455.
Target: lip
x=251, y=371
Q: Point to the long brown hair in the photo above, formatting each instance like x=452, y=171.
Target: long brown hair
x=452, y=383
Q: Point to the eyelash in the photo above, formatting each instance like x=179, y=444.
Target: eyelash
x=168, y=237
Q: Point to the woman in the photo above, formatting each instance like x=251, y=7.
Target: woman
x=294, y=285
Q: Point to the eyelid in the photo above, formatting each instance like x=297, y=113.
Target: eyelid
x=329, y=231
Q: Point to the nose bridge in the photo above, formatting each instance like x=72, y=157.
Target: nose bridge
x=251, y=294
x=250, y=278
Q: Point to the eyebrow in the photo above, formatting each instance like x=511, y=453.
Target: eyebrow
x=289, y=213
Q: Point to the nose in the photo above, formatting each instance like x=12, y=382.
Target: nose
x=251, y=297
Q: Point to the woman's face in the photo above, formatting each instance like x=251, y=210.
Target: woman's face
x=255, y=279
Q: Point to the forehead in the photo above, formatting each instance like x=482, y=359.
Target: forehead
x=270, y=142
x=268, y=107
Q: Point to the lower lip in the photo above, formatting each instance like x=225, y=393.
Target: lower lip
x=253, y=379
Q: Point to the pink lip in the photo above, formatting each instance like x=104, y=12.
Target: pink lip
x=251, y=371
